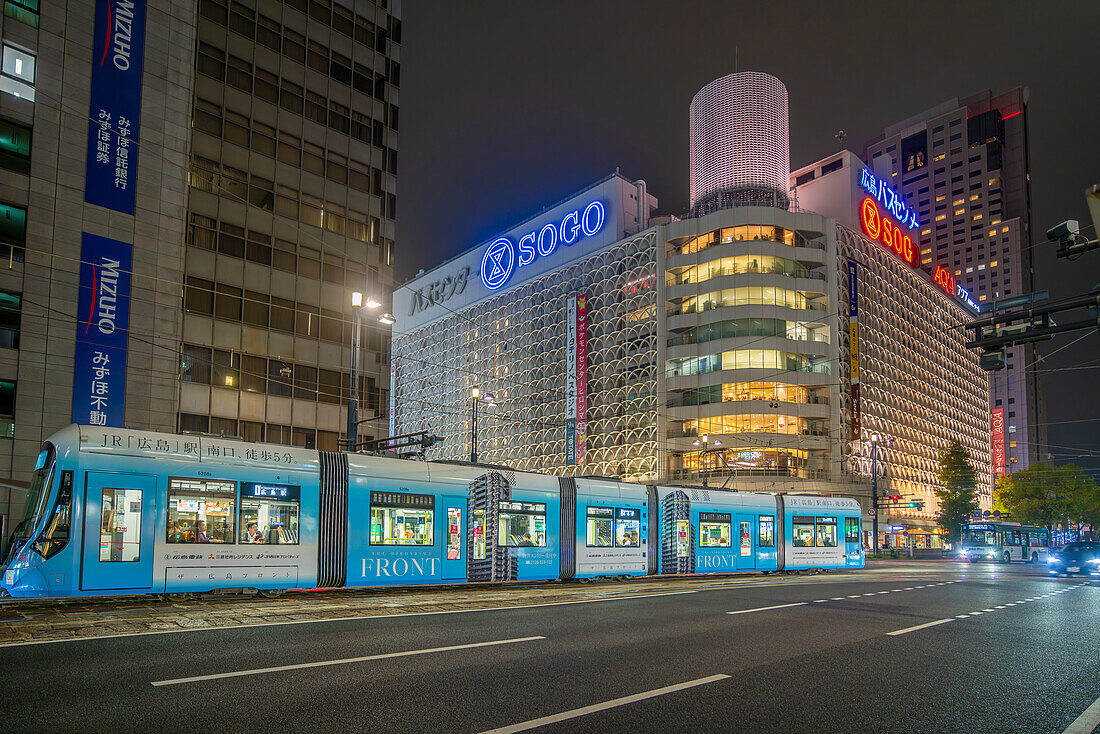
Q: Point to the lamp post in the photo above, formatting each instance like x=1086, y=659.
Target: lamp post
x=475, y=393
x=353, y=398
x=874, y=490
x=702, y=441
x=475, y=398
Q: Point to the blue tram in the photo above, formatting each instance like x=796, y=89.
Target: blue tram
x=116, y=511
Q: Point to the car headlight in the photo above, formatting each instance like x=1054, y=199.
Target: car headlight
x=1053, y=559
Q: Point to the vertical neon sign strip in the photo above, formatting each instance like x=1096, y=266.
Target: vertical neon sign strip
x=853, y=342
x=571, y=381
x=998, y=436
x=582, y=376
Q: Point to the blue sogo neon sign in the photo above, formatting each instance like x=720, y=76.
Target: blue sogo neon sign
x=503, y=257
x=889, y=198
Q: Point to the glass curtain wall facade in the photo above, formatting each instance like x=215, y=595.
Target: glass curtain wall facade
x=748, y=358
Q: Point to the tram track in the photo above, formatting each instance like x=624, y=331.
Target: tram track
x=29, y=622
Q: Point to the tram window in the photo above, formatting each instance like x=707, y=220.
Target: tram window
x=600, y=520
x=803, y=531
x=746, y=538
x=521, y=524
x=454, y=534
x=851, y=530
x=715, y=529
x=628, y=528
x=477, y=534
x=269, y=513
x=767, y=531
x=397, y=518
x=120, y=526
x=201, y=511
x=826, y=532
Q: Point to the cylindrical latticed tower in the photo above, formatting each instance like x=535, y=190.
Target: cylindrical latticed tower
x=740, y=143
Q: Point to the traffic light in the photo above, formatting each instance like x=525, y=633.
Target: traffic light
x=895, y=498
x=919, y=504
x=993, y=360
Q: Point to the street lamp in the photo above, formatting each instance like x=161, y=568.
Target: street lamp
x=475, y=398
x=874, y=489
x=353, y=400
x=875, y=438
x=702, y=441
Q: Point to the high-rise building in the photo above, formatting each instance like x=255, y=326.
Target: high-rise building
x=189, y=193
x=964, y=168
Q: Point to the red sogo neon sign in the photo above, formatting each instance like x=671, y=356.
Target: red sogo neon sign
x=882, y=229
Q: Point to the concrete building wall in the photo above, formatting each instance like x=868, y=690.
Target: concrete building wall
x=265, y=182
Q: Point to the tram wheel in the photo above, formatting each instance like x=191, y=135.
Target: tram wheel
x=272, y=593
x=178, y=596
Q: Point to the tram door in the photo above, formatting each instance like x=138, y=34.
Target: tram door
x=118, y=531
x=454, y=564
x=746, y=538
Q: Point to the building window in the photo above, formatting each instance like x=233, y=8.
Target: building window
x=195, y=365
x=11, y=307
x=15, y=147
x=7, y=409
x=25, y=11
x=13, y=232
x=18, y=73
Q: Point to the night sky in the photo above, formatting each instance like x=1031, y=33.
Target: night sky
x=509, y=106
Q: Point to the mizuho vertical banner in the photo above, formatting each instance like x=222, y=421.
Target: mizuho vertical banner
x=115, y=108
x=102, y=331
x=582, y=376
x=998, y=435
x=853, y=343
x=571, y=382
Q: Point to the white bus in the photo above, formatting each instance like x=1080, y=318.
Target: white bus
x=1004, y=542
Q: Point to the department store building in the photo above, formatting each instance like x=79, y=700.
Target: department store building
x=758, y=342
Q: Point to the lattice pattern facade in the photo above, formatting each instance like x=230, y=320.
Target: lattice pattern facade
x=919, y=385
x=513, y=345
x=740, y=140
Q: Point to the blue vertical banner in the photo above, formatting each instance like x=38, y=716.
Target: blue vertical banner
x=102, y=331
x=115, y=109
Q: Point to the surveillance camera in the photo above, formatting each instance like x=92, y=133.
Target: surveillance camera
x=1064, y=232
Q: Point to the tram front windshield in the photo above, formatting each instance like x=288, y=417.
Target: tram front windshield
x=38, y=493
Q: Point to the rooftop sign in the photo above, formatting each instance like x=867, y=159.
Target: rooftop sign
x=946, y=281
x=503, y=257
x=888, y=198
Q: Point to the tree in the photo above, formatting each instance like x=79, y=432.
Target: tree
x=1049, y=495
x=958, y=493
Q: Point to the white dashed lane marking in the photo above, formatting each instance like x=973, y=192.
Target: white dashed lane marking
x=968, y=615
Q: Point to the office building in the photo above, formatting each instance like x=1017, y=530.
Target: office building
x=964, y=167
x=191, y=191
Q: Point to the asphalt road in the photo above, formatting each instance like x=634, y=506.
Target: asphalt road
x=1010, y=650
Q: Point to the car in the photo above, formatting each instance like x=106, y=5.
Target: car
x=1081, y=557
